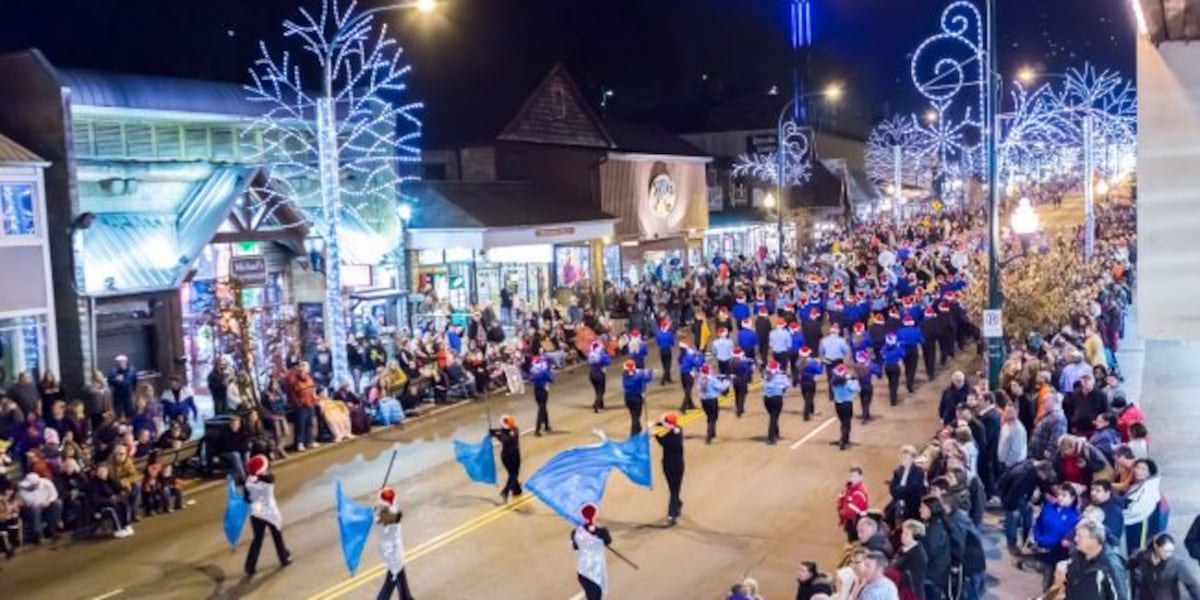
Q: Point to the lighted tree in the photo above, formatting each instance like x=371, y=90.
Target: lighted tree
x=893, y=151
x=338, y=140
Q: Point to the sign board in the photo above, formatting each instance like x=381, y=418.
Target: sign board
x=993, y=323
x=249, y=270
x=553, y=231
x=762, y=143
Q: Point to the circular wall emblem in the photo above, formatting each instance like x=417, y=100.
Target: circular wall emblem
x=662, y=194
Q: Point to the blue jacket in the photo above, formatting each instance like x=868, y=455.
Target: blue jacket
x=811, y=370
x=743, y=370
x=598, y=360
x=665, y=339
x=634, y=383
x=873, y=370
x=712, y=387
x=797, y=340
x=740, y=312
x=641, y=351
x=1054, y=524
x=690, y=361
x=844, y=390
x=747, y=341
x=893, y=354
x=454, y=341
x=909, y=337
x=541, y=376
x=776, y=384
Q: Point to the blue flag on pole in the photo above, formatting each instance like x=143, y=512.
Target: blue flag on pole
x=236, y=510
x=354, y=525
x=578, y=476
x=478, y=459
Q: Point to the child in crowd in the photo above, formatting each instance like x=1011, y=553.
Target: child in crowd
x=169, y=486
x=144, y=444
x=10, y=522
x=1139, y=440
x=152, y=493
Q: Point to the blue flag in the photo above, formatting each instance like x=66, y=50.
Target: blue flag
x=578, y=476
x=354, y=525
x=236, y=510
x=477, y=459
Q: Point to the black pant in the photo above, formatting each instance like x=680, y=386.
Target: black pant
x=725, y=367
x=258, y=525
x=947, y=346
x=893, y=378
x=688, y=381
x=634, y=404
x=599, y=383
x=774, y=406
x=673, y=472
x=910, y=367
x=782, y=359
x=845, y=413
x=808, y=391
x=865, y=395
x=512, y=466
x=665, y=355
x=591, y=591
x=739, y=398
x=929, y=353
x=541, y=395
x=397, y=583
x=710, y=413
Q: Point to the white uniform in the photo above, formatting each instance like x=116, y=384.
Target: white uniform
x=391, y=548
x=591, y=561
x=262, y=501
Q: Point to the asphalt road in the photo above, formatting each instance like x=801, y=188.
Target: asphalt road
x=748, y=508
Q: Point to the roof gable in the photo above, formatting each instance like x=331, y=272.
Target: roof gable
x=557, y=113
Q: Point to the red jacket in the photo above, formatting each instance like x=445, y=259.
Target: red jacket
x=852, y=503
x=1132, y=414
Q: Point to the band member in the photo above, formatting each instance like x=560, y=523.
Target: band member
x=690, y=361
x=747, y=341
x=391, y=546
x=711, y=387
x=743, y=372
x=866, y=369
x=637, y=348
x=666, y=341
x=670, y=436
x=723, y=350
x=509, y=436
x=634, y=383
x=775, y=383
x=931, y=330
x=541, y=376
x=845, y=388
x=810, y=368
x=946, y=334
x=910, y=339
x=589, y=541
x=779, y=341
x=598, y=359
x=893, y=354
x=264, y=512
x=834, y=351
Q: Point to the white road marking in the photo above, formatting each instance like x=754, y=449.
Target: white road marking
x=109, y=594
x=813, y=433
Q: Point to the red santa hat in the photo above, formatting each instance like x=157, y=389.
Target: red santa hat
x=877, y=318
x=635, y=333
x=944, y=307
x=387, y=497
x=257, y=465
x=773, y=366
x=789, y=306
x=588, y=512
x=630, y=366
x=951, y=296
x=508, y=421
x=862, y=356
x=909, y=300
x=671, y=419
x=722, y=332
x=814, y=312
x=929, y=312
x=859, y=327
x=793, y=326
x=747, y=323
x=664, y=324
x=805, y=351
x=841, y=371
x=705, y=369
x=762, y=310
x=741, y=296
x=837, y=285
x=894, y=312
x=738, y=353
x=908, y=320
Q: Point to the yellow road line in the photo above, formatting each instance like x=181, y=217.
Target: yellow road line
x=340, y=589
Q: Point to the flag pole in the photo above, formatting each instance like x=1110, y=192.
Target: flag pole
x=388, y=475
x=623, y=558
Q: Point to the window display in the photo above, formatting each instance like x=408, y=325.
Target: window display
x=22, y=347
x=17, y=209
x=572, y=265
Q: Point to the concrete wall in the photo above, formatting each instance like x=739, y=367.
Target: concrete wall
x=1168, y=190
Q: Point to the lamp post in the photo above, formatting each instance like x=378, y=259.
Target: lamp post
x=833, y=93
x=995, y=342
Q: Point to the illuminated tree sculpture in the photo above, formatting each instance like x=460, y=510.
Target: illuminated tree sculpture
x=339, y=140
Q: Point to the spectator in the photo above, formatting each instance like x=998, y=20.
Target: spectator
x=10, y=519
x=1048, y=430
x=1139, y=440
x=954, y=395
x=1157, y=573
x=40, y=507
x=172, y=493
x=937, y=545
x=1013, y=447
x=1142, y=517
x=218, y=386
x=125, y=475
x=106, y=497
x=1078, y=462
x=97, y=399
x=78, y=423
x=302, y=393
x=1112, y=507
x=810, y=581
x=336, y=416
x=234, y=446
x=178, y=399
x=907, y=487
x=106, y=437
x=1123, y=473
x=25, y=394
x=56, y=417
x=852, y=503
x=50, y=392
x=275, y=404
x=1083, y=404
x=1053, y=530
x=874, y=583
x=911, y=563
x=1105, y=436
x=1128, y=413
x=1095, y=572
x=1017, y=490
x=122, y=381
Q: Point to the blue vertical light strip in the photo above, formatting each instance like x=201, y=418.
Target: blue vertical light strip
x=802, y=38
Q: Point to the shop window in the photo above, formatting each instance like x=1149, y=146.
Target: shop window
x=17, y=208
x=22, y=347
x=572, y=264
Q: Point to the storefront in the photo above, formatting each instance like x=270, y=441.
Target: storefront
x=27, y=316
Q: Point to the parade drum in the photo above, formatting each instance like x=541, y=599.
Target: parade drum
x=887, y=258
x=959, y=259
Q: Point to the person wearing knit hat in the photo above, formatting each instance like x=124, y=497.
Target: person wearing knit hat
x=845, y=387
x=711, y=388
x=866, y=369
x=598, y=360
x=742, y=370
x=910, y=339
x=264, y=512
x=931, y=330
x=637, y=348
x=541, y=376
x=665, y=338
x=633, y=383
x=775, y=384
x=893, y=355
x=690, y=362
x=809, y=368
x=589, y=541
x=670, y=436
x=509, y=436
x=723, y=349
x=391, y=545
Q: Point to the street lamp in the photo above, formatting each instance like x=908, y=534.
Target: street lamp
x=1024, y=219
x=832, y=92
x=426, y=6
x=769, y=200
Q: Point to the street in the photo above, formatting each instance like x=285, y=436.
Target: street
x=462, y=543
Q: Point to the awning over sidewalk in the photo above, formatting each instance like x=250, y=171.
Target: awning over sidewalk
x=483, y=215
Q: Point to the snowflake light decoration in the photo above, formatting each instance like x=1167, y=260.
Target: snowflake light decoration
x=797, y=159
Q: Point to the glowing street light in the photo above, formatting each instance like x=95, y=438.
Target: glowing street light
x=426, y=6
x=931, y=116
x=833, y=92
x=1026, y=75
x=769, y=200
x=1102, y=187
x=1025, y=219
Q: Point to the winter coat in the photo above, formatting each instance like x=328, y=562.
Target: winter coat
x=1045, y=436
x=1162, y=581
x=1101, y=578
x=1054, y=525
x=852, y=503
x=937, y=546
x=908, y=490
x=1141, y=500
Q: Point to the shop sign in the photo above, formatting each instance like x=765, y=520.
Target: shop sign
x=762, y=143
x=662, y=194
x=553, y=231
x=248, y=270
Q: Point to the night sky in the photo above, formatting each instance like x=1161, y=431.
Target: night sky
x=666, y=60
